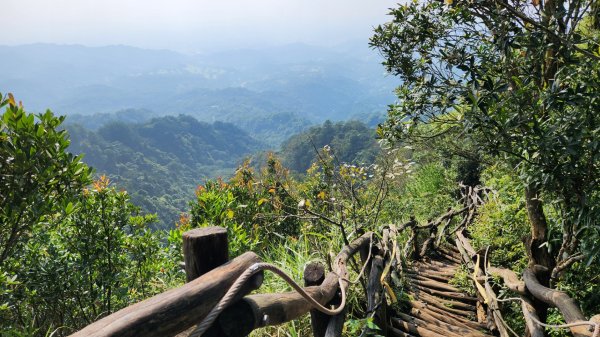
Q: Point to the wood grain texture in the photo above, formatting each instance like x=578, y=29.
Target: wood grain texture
x=176, y=310
x=204, y=249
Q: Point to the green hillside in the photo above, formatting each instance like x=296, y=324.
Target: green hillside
x=352, y=142
x=160, y=162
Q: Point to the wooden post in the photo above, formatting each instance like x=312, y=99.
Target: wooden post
x=336, y=324
x=204, y=249
x=375, y=301
x=314, y=275
x=323, y=325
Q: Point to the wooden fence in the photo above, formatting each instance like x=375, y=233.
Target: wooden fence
x=210, y=274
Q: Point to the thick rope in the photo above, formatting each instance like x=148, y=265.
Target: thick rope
x=557, y=326
x=255, y=268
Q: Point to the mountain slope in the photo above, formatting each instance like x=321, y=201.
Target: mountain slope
x=161, y=161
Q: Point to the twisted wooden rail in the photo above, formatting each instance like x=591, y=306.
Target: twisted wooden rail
x=210, y=275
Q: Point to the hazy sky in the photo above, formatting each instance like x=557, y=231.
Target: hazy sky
x=189, y=25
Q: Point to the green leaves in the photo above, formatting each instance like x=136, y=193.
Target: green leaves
x=526, y=96
x=68, y=254
x=37, y=174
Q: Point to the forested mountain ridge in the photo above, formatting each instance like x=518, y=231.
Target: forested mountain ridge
x=272, y=129
x=160, y=162
x=351, y=142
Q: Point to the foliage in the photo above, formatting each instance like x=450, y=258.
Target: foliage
x=502, y=221
x=101, y=257
x=37, y=175
x=71, y=254
x=433, y=183
x=356, y=326
x=462, y=280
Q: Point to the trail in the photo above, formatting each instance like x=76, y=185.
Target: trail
x=435, y=307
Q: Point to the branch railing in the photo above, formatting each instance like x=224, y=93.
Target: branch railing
x=488, y=305
x=179, y=312
x=210, y=276
x=527, y=290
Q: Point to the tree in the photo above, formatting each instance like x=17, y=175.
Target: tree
x=521, y=81
x=69, y=253
x=37, y=174
x=98, y=259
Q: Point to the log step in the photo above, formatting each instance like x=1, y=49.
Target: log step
x=437, y=308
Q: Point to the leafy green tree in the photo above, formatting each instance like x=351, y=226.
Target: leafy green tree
x=100, y=258
x=258, y=209
x=518, y=78
x=38, y=177
x=70, y=252
x=521, y=81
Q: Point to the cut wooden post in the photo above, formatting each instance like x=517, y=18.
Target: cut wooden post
x=314, y=275
x=375, y=301
x=204, y=249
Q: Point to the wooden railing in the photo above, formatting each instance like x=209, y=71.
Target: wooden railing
x=210, y=275
x=527, y=290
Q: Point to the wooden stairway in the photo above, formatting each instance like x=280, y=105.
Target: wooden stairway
x=436, y=307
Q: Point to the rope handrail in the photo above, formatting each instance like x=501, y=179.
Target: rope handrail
x=255, y=268
x=225, y=301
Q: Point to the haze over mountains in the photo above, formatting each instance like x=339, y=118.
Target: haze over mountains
x=296, y=83
x=159, y=123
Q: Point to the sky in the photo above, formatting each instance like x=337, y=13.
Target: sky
x=190, y=25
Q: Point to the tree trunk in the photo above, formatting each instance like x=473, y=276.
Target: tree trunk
x=536, y=245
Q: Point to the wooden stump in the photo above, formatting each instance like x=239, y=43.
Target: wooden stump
x=314, y=274
x=204, y=249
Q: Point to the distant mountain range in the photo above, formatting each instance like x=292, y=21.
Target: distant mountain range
x=296, y=82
